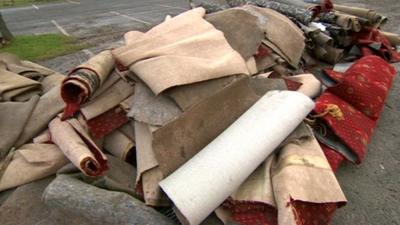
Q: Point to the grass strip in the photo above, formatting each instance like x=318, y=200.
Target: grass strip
x=44, y=46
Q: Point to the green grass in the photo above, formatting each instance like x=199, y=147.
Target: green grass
x=17, y=3
x=45, y=46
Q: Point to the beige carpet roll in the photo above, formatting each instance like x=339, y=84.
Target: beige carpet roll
x=84, y=80
x=334, y=55
x=329, y=54
x=348, y=22
x=323, y=39
x=311, y=32
x=128, y=130
x=344, y=21
x=320, y=52
x=204, y=182
x=310, y=85
x=118, y=144
x=393, y=38
x=77, y=146
x=369, y=14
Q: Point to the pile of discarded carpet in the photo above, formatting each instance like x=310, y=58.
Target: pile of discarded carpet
x=234, y=112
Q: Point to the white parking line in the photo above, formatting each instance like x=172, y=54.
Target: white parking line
x=73, y=2
x=130, y=17
x=60, y=28
x=34, y=6
x=172, y=7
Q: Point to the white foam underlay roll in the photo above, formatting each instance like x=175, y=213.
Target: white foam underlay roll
x=205, y=181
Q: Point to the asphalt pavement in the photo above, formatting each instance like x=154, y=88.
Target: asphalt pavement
x=85, y=18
